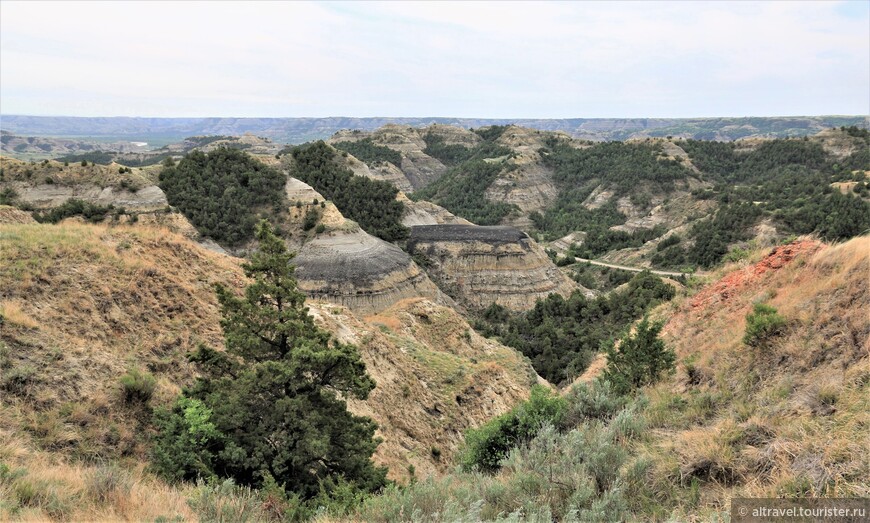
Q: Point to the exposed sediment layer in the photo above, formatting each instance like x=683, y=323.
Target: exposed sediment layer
x=419, y=168
x=479, y=266
x=53, y=195
x=528, y=184
x=427, y=213
x=361, y=272
x=384, y=171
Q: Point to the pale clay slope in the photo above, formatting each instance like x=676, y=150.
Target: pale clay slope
x=417, y=169
x=435, y=378
x=427, y=213
x=53, y=195
x=10, y=215
x=530, y=185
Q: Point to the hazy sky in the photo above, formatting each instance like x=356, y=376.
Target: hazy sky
x=488, y=60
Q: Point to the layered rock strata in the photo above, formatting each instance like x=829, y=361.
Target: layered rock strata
x=361, y=272
x=347, y=266
x=479, y=266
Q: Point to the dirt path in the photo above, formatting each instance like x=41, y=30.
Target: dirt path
x=632, y=269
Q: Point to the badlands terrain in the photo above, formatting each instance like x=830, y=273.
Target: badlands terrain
x=451, y=258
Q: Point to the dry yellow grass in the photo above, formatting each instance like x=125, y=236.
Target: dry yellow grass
x=435, y=378
x=40, y=486
x=85, y=303
x=11, y=311
x=786, y=419
x=9, y=214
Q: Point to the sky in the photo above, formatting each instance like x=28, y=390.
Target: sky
x=615, y=59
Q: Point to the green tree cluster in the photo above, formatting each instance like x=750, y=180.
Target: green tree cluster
x=95, y=157
x=371, y=203
x=620, y=166
x=455, y=154
x=787, y=180
x=729, y=224
x=461, y=189
x=91, y=212
x=370, y=153
x=224, y=192
x=560, y=336
x=640, y=359
x=448, y=154
x=490, y=133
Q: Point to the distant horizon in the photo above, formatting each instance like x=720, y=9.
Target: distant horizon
x=303, y=129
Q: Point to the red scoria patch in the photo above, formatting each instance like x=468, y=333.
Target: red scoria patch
x=734, y=282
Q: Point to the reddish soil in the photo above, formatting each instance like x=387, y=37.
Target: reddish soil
x=736, y=281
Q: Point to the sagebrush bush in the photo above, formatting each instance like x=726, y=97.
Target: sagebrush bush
x=596, y=400
x=571, y=467
x=18, y=380
x=138, y=386
x=762, y=324
x=578, y=475
x=488, y=445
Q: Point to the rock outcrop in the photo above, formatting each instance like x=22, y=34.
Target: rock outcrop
x=50, y=183
x=52, y=195
x=361, y=272
x=479, y=266
x=347, y=266
x=528, y=185
x=838, y=143
x=342, y=264
x=384, y=171
x=418, y=168
x=427, y=213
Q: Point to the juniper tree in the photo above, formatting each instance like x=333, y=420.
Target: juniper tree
x=641, y=359
x=276, y=396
